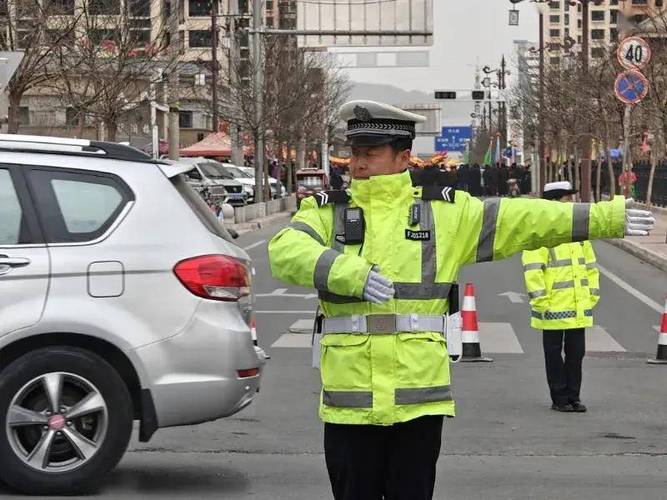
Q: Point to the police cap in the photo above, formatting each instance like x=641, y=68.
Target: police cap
x=371, y=123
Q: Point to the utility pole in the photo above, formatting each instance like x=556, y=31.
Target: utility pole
x=174, y=49
x=237, y=150
x=542, y=171
x=215, y=68
x=587, y=143
x=258, y=26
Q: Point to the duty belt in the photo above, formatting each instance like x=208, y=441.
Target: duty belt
x=383, y=324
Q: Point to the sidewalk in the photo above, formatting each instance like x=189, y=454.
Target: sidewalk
x=248, y=227
x=652, y=248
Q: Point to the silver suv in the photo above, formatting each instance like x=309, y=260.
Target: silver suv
x=122, y=298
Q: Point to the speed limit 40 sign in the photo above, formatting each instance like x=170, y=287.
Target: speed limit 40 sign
x=634, y=53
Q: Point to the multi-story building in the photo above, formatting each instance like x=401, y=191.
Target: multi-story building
x=638, y=11
x=563, y=26
x=524, y=81
x=43, y=113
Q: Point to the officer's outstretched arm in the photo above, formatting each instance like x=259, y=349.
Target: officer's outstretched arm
x=300, y=254
x=497, y=228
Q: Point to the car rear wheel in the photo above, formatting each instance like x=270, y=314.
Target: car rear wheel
x=65, y=421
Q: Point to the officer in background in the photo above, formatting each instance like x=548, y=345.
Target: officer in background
x=563, y=284
x=383, y=256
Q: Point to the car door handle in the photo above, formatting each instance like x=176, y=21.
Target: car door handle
x=10, y=262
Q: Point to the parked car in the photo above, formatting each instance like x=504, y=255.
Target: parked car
x=246, y=179
x=310, y=181
x=122, y=298
x=220, y=184
x=273, y=182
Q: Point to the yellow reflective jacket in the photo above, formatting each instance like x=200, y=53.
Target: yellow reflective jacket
x=563, y=284
x=385, y=379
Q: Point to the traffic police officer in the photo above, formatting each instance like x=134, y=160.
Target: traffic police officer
x=564, y=286
x=383, y=257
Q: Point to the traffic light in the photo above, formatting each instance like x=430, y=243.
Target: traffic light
x=478, y=95
x=445, y=94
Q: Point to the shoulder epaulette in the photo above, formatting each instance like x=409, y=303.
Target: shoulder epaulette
x=442, y=193
x=335, y=196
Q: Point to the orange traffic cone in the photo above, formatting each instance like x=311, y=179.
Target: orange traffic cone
x=661, y=356
x=472, y=351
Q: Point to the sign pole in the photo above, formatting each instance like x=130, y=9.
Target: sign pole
x=626, y=146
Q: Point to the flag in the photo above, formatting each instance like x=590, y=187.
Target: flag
x=487, y=156
x=497, y=158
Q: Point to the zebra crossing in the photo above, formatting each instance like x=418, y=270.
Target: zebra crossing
x=495, y=337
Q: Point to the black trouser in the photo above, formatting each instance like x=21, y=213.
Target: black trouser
x=564, y=375
x=370, y=462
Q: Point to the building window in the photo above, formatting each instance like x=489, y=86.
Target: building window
x=567, y=19
x=554, y=5
x=598, y=52
x=72, y=117
x=200, y=38
x=554, y=33
x=659, y=3
x=613, y=2
x=554, y=19
x=65, y=7
x=185, y=119
x=639, y=2
x=554, y=61
x=104, y=7
x=269, y=4
x=243, y=6
x=579, y=23
x=613, y=17
x=597, y=15
x=269, y=22
x=199, y=8
x=24, y=116
x=613, y=34
x=597, y=34
x=140, y=8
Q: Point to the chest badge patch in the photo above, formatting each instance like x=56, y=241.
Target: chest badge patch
x=417, y=235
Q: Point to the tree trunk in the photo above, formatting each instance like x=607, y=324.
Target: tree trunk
x=654, y=163
x=258, y=172
x=13, y=112
x=112, y=130
x=598, y=178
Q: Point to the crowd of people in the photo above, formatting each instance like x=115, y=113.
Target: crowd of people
x=490, y=180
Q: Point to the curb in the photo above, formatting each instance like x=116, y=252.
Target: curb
x=249, y=227
x=640, y=252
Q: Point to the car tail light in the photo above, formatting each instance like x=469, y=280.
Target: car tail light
x=215, y=277
x=250, y=372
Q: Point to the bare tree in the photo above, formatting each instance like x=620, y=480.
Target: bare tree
x=108, y=71
x=39, y=29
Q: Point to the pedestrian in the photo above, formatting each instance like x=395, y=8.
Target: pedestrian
x=563, y=284
x=475, y=181
x=503, y=177
x=383, y=284
x=488, y=181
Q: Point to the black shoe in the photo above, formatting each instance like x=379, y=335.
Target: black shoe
x=565, y=408
x=578, y=407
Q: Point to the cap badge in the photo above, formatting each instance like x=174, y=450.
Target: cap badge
x=362, y=114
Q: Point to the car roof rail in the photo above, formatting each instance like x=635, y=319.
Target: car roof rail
x=77, y=147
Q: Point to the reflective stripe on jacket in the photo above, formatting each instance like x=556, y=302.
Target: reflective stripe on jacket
x=563, y=284
x=385, y=379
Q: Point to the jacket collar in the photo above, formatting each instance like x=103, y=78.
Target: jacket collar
x=388, y=189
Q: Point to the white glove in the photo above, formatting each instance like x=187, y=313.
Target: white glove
x=378, y=289
x=637, y=222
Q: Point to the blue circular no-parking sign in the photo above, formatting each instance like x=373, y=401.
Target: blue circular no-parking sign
x=631, y=87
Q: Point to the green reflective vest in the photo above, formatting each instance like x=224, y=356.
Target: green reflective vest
x=563, y=284
x=385, y=379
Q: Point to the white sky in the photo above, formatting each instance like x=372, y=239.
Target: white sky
x=466, y=33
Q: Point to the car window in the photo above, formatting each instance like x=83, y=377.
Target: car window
x=215, y=171
x=11, y=215
x=199, y=207
x=85, y=206
x=75, y=206
x=194, y=174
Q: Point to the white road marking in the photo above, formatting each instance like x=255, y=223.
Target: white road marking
x=515, y=298
x=498, y=338
x=598, y=340
x=293, y=341
x=254, y=245
x=302, y=326
x=632, y=291
x=307, y=296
